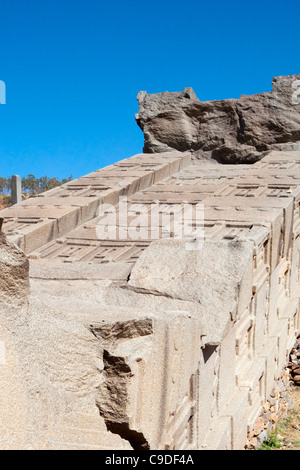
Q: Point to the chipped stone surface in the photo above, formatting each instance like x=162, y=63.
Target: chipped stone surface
x=232, y=130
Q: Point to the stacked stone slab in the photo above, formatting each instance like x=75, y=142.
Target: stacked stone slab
x=145, y=344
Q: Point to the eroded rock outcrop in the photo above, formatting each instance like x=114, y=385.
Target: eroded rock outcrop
x=231, y=131
x=14, y=286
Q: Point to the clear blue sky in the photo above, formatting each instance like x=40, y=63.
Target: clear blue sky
x=73, y=69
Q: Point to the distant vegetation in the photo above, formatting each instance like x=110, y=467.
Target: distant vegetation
x=31, y=186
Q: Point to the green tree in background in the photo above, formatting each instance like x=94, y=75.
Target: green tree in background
x=30, y=186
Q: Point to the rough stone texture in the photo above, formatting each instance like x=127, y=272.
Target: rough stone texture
x=14, y=272
x=135, y=343
x=274, y=410
x=216, y=278
x=14, y=285
x=16, y=189
x=231, y=130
